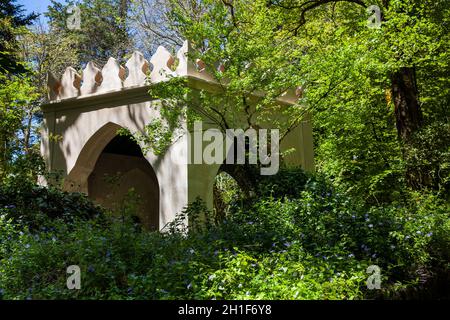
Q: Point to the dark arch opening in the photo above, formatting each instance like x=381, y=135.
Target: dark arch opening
x=124, y=182
x=123, y=145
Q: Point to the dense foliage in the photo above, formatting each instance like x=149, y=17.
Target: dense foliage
x=315, y=245
x=369, y=90
x=34, y=207
x=12, y=23
x=103, y=29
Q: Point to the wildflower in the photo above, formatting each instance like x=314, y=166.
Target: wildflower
x=191, y=251
x=91, y=269
x=211, y=277
x=27, y=245
x=130, y=290
x=287, y=244
x=370, y=225
x=189, y=286
x=429, y=234
x=351, y=255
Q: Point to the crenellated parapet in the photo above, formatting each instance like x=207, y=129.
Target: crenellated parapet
x=137, y=72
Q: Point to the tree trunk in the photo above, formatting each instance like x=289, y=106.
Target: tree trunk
x=409, y=118
x=408, y=115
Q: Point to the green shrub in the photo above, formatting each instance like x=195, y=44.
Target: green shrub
x=429, y=154
x=288, y=274
x=33, y=206
x=313, y=245
x=119, y=262
x=286, y=183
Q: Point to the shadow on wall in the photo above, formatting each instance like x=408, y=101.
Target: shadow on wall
x=124, y=181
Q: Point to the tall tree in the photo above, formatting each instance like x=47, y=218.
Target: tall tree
x=327, y=47
x=403, y=79
x=12, y=20
x=403, y=45
x=104, y=31
x=248, y=68
x=17, y=95
x=154, y=23
x=16, y=90
x=44, y=50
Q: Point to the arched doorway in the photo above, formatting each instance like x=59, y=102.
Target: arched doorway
x=122, y=180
